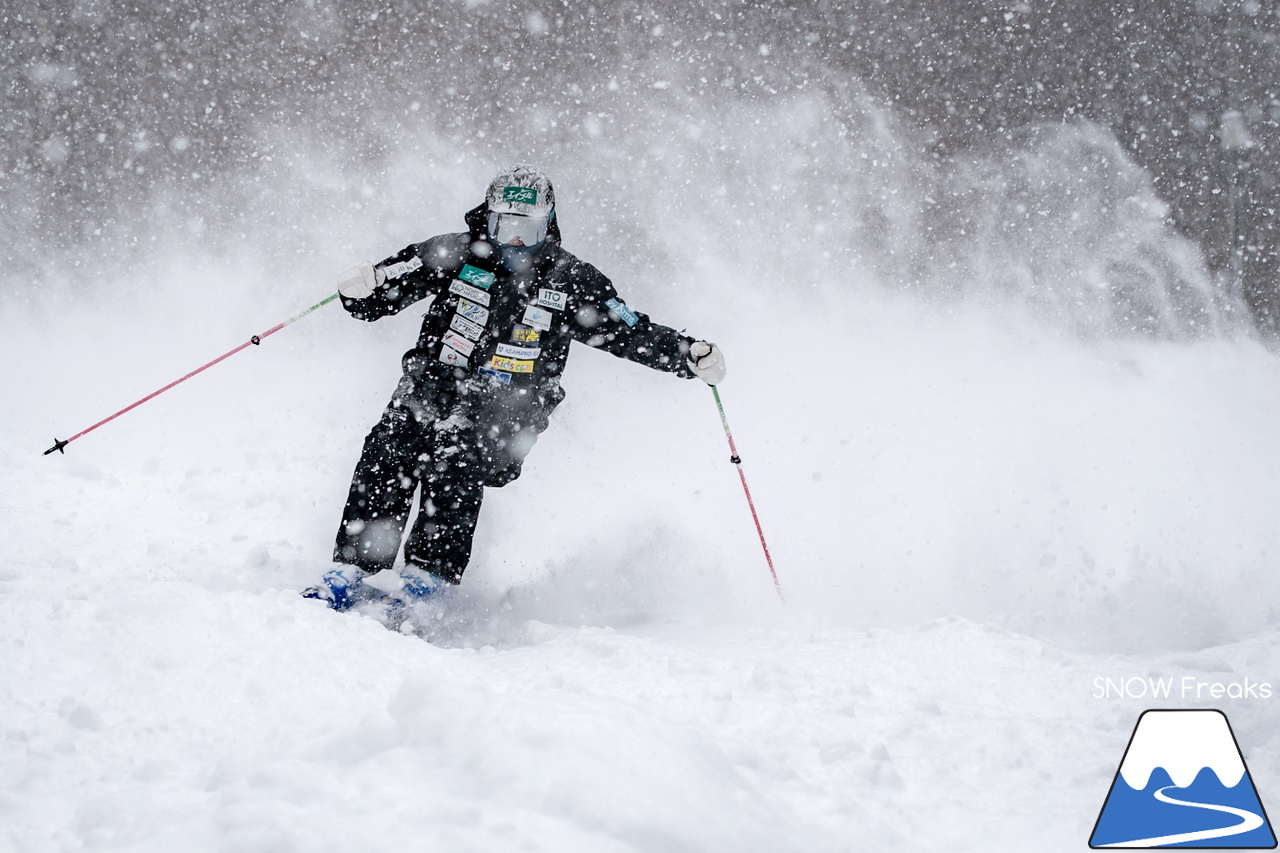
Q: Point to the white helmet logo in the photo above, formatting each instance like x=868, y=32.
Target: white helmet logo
x=524, y=195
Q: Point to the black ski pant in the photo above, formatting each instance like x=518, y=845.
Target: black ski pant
x=445, y=440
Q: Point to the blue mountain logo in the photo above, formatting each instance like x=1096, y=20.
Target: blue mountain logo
x=1183, y=783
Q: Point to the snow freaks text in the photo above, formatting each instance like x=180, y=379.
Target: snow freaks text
x=1187, y=687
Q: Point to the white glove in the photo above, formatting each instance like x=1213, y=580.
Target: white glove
x=707, y=362
x=360, y=281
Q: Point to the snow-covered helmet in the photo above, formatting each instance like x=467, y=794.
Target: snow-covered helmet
x=521, y=204
x=521, y=189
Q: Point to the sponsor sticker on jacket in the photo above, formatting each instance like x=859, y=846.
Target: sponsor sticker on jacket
x=538, y=318
x=461, y=324
x=477, y=276
x=466, y=291
x=496, y=375
x=403, y=268
x=473, y=312
x=625, y=314
x=553, y=299
x=525, y=335
x=449, y=355
x=458, y=342
x=523, y=195
x=509, y=351
x=511, y=365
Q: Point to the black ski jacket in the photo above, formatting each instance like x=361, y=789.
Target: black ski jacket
x=511, y=328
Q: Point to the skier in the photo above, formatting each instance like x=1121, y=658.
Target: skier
x=479, y=386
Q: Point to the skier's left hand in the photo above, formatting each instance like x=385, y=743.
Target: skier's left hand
x=706, y=360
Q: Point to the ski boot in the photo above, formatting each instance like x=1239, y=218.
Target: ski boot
x=401, y=592
x=410, y=586
x=340, y=588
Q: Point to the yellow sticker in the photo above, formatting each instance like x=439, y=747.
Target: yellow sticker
x=511, y=365
x=524, y=336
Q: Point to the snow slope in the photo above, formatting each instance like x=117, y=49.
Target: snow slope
x=980, y=501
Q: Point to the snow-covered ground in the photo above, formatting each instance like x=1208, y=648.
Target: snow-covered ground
x=976, y=510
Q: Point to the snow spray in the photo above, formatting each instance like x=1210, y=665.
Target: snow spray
x=737, y=461
x=253, y=341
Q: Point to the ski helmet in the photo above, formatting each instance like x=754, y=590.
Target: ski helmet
x=521, y=206
x=523, y=190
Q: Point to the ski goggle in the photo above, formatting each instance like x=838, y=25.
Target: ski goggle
x=507, y=228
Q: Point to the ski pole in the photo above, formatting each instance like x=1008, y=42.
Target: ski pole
x=253, y=341
x=737, y=461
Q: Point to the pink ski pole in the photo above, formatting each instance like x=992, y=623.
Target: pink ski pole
x=253, y=341
x=737, y=461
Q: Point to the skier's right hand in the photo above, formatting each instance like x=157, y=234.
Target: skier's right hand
x=360, y=281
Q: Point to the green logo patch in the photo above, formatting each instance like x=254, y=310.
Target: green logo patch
x=478, y=277
x=524, y=195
